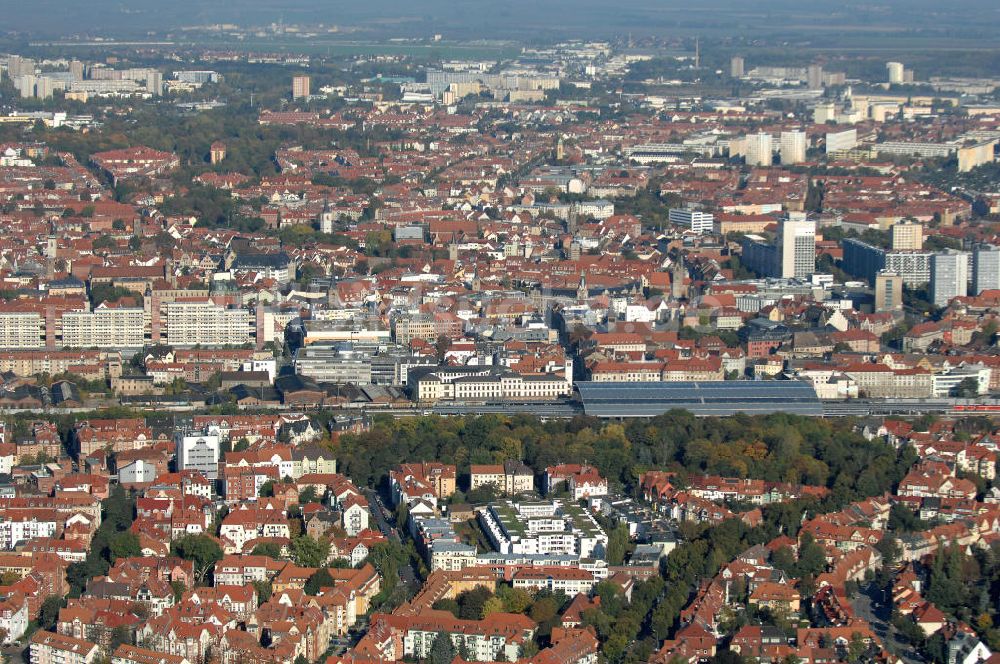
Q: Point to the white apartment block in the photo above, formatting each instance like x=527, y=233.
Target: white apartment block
x=697, y=221
x=759, y=149
x=21, y=330
x=206, y=324
x=354, y=519
x=949, y=276
x=236, y=535
x=14, y=618
x=483, y=647
x=52, y=648
x=13, y=531
x=242, y=570
x=451, y=556
x=545, y=527
x=792, y=147
x=104, y=328
x=567, y=580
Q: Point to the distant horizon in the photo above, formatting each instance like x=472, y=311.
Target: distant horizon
x=515, y=19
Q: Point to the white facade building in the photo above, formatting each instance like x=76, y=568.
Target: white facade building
x=759, y=149
x=797, y=239
x=104, y=328
x=199, y=452
x=949, y=276
x=792, y=147
x=697, y=221
x=206, y=324
x=545, y=527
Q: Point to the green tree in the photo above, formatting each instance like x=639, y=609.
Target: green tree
x=124, y=545
x=515, y=600
x=449, y=605
x=442, y=651
x=812, y=558
x=784, y=559
x=264, y=591
x=309, y=552
x=119, y=511
x=402, y=514
x=104, y=243
x=481, y=495
x=856, y=648
x=618, y=544
x=269, y=549
x=119, y=635
x=493, y=605
x=387, y=558
x=544, y=609
x=49, y=612
x=471, y=603
x=320, y=579
x=308, y=495
x=202, y=550
x=947, y=584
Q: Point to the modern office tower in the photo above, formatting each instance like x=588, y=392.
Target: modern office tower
x=949, y=276
x=759, y=150
x=792, y=147
x=814, y=77
x=985, y=268
x=895, y=71
x=797, y=241
x=736, y=67
x=888, y=291
x=697, y=221
x=300, y=87
x=907, y=235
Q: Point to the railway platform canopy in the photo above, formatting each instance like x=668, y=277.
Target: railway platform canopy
x=703, y=398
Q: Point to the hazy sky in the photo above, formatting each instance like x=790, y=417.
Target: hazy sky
x=510, y=18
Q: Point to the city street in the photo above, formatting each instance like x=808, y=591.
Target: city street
x=868, y=605
x=407, y=575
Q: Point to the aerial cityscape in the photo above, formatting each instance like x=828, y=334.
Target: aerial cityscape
x=542, y=332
